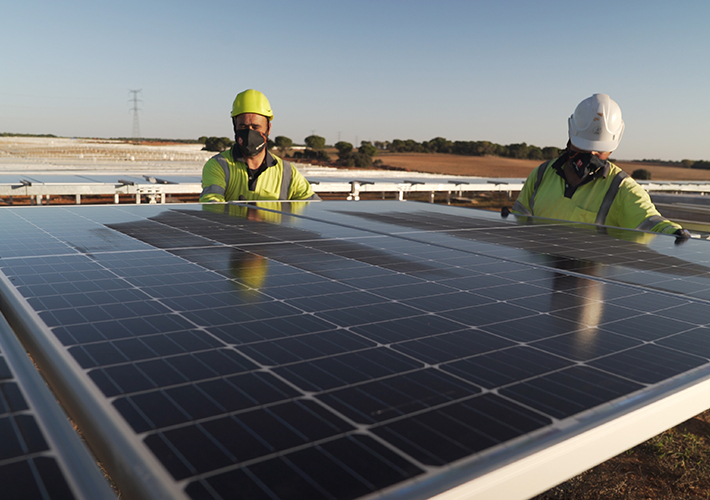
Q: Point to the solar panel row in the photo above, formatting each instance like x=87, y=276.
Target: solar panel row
x=341, y=350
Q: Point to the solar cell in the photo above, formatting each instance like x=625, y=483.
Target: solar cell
x=340, y=350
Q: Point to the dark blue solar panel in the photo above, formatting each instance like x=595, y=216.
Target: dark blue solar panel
x=334, y=350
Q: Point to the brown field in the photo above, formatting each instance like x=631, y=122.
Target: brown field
x=492, y=166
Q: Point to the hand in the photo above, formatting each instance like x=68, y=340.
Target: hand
x=681, y=236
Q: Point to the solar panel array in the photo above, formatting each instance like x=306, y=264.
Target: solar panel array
x=341, y=350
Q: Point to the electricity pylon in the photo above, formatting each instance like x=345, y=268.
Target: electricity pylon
x=135, y=109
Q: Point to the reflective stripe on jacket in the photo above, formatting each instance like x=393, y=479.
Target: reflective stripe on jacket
x=224, y=179
x=613, y=200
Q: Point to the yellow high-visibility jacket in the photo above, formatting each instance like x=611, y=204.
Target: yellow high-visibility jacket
x=226, y=179
x=611, y=199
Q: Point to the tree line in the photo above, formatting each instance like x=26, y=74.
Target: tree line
x=362, y=156
x=700, y=164
x=473, y=148
x=349, y=156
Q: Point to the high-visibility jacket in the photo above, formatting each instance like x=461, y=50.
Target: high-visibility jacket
x=226, y=179
x=611, y=199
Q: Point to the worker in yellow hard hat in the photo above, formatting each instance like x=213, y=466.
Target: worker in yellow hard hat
x=583, y=186
x=248, y=171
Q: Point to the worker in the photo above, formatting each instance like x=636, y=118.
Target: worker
x=583, y=186
x=248, y=171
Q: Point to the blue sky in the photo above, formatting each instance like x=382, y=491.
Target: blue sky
x=506, y=71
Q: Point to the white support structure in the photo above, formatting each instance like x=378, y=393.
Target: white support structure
x=350, y=183
x=152, y=193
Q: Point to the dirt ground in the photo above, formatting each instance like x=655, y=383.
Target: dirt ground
x=491, y=166
x=674, y=465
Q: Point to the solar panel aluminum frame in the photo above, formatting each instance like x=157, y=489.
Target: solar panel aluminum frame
x=80, y=470
x=140, y=476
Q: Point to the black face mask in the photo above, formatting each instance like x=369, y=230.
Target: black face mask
x=585, y=164
x=250, y=142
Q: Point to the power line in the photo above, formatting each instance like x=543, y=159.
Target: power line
x=135, y=109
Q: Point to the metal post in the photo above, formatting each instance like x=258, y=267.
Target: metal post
x=354, y=191
x=77, y=199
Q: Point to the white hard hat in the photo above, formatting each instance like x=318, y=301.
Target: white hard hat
x=596, y=124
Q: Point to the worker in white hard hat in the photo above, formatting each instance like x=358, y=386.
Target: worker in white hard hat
x=583, y=186
x=248, y=171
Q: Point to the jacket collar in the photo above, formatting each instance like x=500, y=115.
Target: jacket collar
x=602, y=172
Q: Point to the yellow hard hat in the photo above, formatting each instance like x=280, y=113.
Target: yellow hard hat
x=252, y=101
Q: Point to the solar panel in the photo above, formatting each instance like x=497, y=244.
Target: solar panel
x=352, y=350
x=40, y=456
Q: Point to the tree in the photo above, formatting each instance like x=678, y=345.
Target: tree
x=348, y=157
x=520, y=150
x=702, y=164
x=641, y=174
x=283, y=144
x=218, y=144
x=315, y=142
x=367, y=148
x=439, y=145
x=345, y=150
x=361, y=160
x=550, y=152
x=534, y=153
x=408, y=146
x=310, y=154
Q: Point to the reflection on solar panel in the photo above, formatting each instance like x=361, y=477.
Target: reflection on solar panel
x=345, y=350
